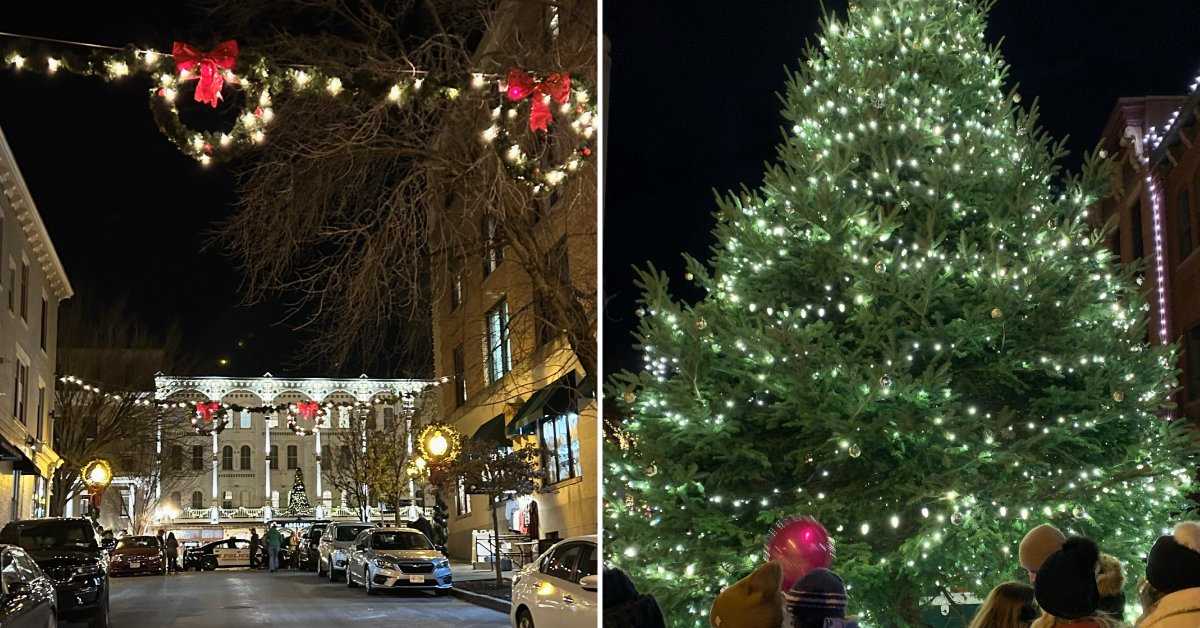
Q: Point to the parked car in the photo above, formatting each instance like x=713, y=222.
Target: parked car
x=231, y=552
x=397, y=558
x=558, y=590
x=68, y=551
x=307, y=556
x=28, y=598
x=134, y=555
x=333, y=546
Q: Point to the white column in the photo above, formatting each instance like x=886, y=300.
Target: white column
x=267, y=467
x=320, y=504
x=158, y=459
x=215, y=513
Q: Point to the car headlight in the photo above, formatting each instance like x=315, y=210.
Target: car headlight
x=385, y=563
x=89, y=570
x=440, y=563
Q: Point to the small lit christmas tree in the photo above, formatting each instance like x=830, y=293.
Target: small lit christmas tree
x=911, y=333
x=298, y=503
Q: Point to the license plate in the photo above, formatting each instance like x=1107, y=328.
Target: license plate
x=416, y=579
x=134, y=565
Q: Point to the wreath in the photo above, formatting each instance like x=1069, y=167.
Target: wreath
x=536, y=157
x=310, y=412
x=211, y=417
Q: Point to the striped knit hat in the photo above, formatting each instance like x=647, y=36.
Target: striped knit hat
x=820, y=593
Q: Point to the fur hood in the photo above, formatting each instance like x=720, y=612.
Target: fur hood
x=1111, y=579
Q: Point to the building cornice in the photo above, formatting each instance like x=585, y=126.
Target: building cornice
x=12, y=184
x=268, y=387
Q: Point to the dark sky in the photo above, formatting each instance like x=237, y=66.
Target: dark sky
x=128, y=213
x=693, y=107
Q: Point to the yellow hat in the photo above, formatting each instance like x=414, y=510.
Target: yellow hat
x=752, y=602
x=1038, y=545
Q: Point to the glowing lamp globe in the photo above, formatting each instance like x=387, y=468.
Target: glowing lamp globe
x=799, y=545
x=97, y=474
x=438, y=445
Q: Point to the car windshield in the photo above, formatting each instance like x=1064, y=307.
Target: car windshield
x=400, y=541
x=348, y=533
x=40, y=535
x=137, y=542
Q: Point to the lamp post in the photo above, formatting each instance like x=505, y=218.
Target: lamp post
x=97, y=475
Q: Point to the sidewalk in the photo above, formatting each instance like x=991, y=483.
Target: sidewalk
x=464, y=572
x=477, y=586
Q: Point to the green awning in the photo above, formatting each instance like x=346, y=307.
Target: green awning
x=557, y=398
x=492, y=431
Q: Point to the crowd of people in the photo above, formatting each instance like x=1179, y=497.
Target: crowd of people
x=1072, y=584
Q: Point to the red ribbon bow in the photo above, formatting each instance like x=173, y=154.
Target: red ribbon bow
x=307, y=409
x=206, y=409
x=211, y=64
x=522, y=85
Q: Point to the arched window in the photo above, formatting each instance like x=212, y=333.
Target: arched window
x=197, y=500
x=293, y=457
x=244, y=462
x=327, y=499
x=227, y=500
x=274, y=456
x=227, y=458
x=176, y=499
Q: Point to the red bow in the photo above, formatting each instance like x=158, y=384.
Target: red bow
x=211, y=63
x=521, y=86
x=206, y=409
x=307, y=409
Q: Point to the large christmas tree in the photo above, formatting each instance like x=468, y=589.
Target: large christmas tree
x=297, y=502
x=910, y=332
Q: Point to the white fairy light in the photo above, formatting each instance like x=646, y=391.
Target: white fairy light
x=334, y=86
x=53, y=64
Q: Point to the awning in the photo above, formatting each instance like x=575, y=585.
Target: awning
x=557, y=398
x=20, y=462
x=492, y=431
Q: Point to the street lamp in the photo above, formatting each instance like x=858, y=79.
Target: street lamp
x=439, y=444
x=97, y=475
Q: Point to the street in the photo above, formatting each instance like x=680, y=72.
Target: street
x=255, y=598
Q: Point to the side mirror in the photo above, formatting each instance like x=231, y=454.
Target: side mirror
x=589, y=583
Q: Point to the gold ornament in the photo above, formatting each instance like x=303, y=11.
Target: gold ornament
x=629, y=396
x=1016, y=98
x=880, y=267
x=701, y=324
x=885, y=381
x=689, y=276
x=854, y=451
x=651, y=470
x=641, y=311
x=997, y=312
x=1118, y=396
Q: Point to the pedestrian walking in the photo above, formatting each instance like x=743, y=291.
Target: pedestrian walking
x=172, y=550
x=1067, y=590
x=1009, y=605
x=255, y=547
x=1173, y=570
x=818, y=600
x=274, y=540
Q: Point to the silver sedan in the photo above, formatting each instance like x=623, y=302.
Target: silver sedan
x=397, y=558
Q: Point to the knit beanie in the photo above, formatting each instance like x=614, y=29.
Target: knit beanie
x=1110, y=583
x=1174, y=561
x=1039, y=543
x=1065, y=586
x=752, y=602
x=820, y=594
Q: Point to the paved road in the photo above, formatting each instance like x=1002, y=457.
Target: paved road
x=286, y=598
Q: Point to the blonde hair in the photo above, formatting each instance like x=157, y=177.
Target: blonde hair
x=1002, y=608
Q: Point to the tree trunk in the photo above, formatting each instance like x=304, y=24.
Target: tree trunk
x=496, y=543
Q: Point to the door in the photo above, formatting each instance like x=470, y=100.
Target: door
x=20, y=605
x=583, y=611
x=233, y=553
x=556, y=594
x=40, y=588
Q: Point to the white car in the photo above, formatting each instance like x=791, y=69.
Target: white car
x=397, y=558
x=333, y=548
x=558, y=590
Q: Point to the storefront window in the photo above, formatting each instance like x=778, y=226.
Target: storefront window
x=560, y=440
x=462, y=500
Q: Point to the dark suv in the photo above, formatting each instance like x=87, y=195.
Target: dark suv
x=68, y=551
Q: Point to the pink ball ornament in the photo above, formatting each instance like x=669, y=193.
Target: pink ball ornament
x=799, y=545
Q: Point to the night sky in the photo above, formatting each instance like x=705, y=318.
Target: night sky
x=693, y=108
x=128, y=213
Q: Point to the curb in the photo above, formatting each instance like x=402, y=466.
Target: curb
x=486, y=601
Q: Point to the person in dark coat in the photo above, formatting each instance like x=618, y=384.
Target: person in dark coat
x=172, y=549
x=624, y=606
x=424, y=526
x=255, y=548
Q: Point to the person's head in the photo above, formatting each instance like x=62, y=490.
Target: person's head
x=752, y=602
x=171, y=536
x=1038, y=544
x=1110, y=582
x=1174, y=561
x=1066, y=586
x=161, y=531
x=1009, y=605
x=253, y=531
x=819, y=595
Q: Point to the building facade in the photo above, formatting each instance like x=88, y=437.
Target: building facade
x=512, y=378
x=223, y=483
x=1153, y=207
x=33, y=282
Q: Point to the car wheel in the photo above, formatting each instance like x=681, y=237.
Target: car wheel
x=524, y=619
x=349, y=577
x=99, y=619
x=371, y=590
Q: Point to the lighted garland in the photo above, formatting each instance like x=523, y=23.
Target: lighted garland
x=310, y=412
x=210, y=417
x=439, y=443
x=262, y=81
